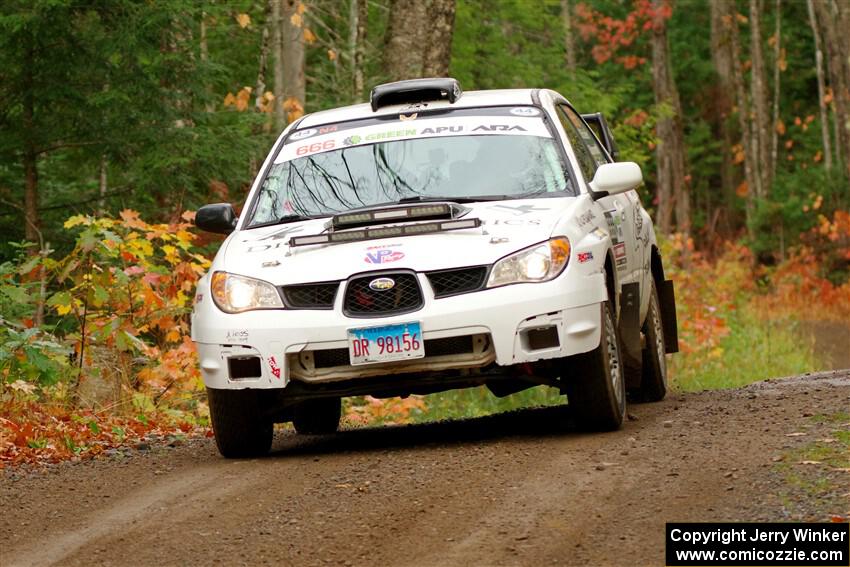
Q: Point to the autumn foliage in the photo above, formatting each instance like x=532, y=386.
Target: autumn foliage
x=117, y=309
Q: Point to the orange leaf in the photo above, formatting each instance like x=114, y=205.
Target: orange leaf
x=780, y=127
x=309, y=36
x=742, y=189
x=244, y=20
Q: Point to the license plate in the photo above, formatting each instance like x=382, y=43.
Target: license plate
x=369, y=345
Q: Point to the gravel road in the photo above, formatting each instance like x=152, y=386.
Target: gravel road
x=509, y=489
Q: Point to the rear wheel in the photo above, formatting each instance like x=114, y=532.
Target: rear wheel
x=315, y=417
x=597, y=392
x=239, y=426
x=653, y=382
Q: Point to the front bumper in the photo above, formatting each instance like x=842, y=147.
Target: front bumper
x=506, y=325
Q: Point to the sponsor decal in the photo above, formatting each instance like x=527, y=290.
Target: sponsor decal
x=521, y=209
x=301, y=134
x=406, y=133
x=525, y=111
x=408, y=116
x=274, y=367
x=352, y=140
x=383, y=256
x=282, y=233
x=382, y=284
x=615, y=226
x=584, y=257
x=237, y=336
x=620, y=250
x=585, y=218
x=199, y=298
x=499, y=128
x=517, y=222
x=441, y=129
x=271, y=264
x=315, y=147
x=621, y=264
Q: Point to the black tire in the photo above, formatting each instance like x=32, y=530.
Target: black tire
x=653, y=381
x=597, y=392
x=317, y=417
x=240, y=430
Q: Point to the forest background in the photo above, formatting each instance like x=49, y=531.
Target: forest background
x=120, y=118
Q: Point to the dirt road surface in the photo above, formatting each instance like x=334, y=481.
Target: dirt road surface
x=510, y=489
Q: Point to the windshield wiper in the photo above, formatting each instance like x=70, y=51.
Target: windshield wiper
x=447, y=199
x=286, y=219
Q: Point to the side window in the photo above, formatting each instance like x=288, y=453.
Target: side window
x=586, y=135
x=586, y=161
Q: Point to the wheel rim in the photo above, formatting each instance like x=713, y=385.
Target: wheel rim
x=659, y=341
x=613, y=353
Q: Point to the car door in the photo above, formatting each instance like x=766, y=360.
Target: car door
x=620, y=210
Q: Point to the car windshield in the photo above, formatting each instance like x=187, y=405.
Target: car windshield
x=468, y=158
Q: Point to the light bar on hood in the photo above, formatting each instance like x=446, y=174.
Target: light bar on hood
x=384, y=232
x=396, y=213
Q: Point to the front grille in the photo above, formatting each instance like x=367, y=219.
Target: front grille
x=332, y=357
x=461, y=280
x=363, y=301
x=311, y=296
x=449, y=345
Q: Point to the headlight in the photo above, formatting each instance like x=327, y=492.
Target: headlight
x=538, y=263
x=234, y=294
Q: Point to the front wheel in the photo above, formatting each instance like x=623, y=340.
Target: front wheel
x=597, y=391
x=240, y=429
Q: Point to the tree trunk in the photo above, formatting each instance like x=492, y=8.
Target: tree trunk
x=758, y=89
x=360, y=52
x=30, y=156
x=824, y=113
x=670, y=151
x=723, y=95
x=277, y=50
x=569, y=36
x=438, y=53
x=262, y=71
x=102, y=184
x=293, y=58
x=750, y=155
x=777, y=60
x=831, y=16
x=403, y=52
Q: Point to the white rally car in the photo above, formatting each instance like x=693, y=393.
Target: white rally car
x=432, y=240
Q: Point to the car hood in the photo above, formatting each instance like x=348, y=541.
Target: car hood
x=507, y=226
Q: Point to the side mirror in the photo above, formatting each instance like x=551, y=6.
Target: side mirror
x=613, y=178
x=220, y=218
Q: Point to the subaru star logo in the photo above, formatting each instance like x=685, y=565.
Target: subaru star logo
x=382, y=284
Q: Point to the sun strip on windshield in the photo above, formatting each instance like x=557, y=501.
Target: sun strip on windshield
x=416, y=129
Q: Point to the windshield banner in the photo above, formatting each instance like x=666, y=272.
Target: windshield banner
x=407, y=130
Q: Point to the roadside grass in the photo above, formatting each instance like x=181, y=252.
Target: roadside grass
x=756, y=348
x=477, y=402
x=814, y=476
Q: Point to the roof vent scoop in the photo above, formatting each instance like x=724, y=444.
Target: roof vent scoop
x=415, y=90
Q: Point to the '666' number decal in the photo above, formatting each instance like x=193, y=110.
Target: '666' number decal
x=316, y=147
